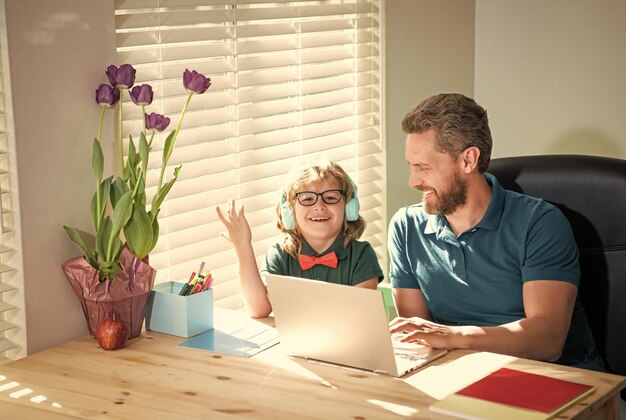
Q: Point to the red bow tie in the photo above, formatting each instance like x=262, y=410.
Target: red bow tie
x=306, y=261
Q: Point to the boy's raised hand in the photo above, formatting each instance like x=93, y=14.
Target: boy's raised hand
x=239, y=233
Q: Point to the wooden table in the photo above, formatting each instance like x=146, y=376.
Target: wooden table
x=153, y=378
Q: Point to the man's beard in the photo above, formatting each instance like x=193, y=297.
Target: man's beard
x=450, y=199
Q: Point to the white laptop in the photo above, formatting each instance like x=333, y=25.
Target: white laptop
x=340, y=324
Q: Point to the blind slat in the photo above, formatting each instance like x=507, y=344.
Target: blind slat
x=291, y=80
x=12, y=305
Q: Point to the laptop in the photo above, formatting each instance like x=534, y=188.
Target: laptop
x=340, y=324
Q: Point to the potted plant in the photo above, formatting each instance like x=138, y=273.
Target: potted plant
x=113, y=277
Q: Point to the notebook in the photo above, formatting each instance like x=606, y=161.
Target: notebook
x=340, y=324
x=513, y=394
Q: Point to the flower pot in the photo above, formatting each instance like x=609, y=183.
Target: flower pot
x=125, y=296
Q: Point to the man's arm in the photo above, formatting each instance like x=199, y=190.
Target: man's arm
x=541, y=335
x=410, y=303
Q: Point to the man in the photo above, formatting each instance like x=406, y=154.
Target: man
x=476, y=266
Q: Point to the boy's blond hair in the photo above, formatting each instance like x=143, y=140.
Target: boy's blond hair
x=317, y=170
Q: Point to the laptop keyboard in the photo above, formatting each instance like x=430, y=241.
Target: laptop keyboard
x=410, y=351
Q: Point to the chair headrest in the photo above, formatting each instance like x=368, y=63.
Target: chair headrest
x=590, y=190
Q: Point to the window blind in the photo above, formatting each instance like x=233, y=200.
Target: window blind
x=12, y=317
x=290, y=80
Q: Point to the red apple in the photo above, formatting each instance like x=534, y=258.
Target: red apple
x=112, y=334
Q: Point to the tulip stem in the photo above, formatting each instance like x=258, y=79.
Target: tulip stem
x=136, y=187
x=182, y=114
x=180, y=123
x=143, y=115
x=101, y=122
x=121, y=133
x=98, y=198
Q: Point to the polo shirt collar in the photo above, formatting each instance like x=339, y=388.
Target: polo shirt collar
x=336, y=246
x=433, y=224
x=493, y=215
x=438, y=224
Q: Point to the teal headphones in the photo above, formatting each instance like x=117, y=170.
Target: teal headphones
x=351, y=211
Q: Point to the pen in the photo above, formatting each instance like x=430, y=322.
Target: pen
x=183, y=291
x=197, y=288
x=201, y=267
x=192, y=285
x=208, y=282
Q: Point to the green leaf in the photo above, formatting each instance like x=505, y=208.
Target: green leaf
x=155, y=233
x=140, y=195
x=117, y=249
x=109, y=269
x=97, y=160
x=121, y=213
x=102, y=236
x=75, y=236
x=132, y=151
x=138, y=232
x=106, y=189
x=98, y=214
x=126, y=172
x=116, y=246
x=144, y=152
x=95, y=214
x=158, y=198
x=105, y=240
x=132, y=163
x=168, y=148
x=119, y=189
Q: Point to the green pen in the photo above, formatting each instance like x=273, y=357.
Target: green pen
x=191, y=286
x=184, y=289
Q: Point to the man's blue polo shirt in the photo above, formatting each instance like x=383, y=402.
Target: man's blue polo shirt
x=477, y=277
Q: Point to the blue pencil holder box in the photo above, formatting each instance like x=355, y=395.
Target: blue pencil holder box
x=184, y=316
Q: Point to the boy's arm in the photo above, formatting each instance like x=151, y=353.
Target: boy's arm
x=253, y=291
x=369, y=283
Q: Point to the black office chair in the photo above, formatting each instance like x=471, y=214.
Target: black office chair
x=591, y=192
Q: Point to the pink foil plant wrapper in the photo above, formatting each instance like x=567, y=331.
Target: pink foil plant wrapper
x=126, y=295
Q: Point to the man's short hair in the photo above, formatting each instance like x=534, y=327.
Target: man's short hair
x=458, y=121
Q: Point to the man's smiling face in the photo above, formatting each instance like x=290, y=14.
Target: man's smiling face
x=434, y=173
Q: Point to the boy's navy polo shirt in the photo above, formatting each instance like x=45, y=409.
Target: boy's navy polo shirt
x=357, y=262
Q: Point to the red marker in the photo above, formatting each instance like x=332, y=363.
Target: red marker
x=197, y=288
x=209, y=282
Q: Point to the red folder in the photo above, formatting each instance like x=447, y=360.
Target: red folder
x=509, y=392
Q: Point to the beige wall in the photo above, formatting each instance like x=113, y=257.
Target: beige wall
x=552, y=75
x=429, y=48
x=58, y=51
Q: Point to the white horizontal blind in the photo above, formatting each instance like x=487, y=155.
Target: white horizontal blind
x=12, y=318
x=290, y=80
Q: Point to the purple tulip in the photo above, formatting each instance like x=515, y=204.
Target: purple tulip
x=107, y=96
x=142, y=95
x=156, y=122
x=122, y=77
x=195, y=82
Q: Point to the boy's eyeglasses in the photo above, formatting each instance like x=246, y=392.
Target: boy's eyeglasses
x=309, y=198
